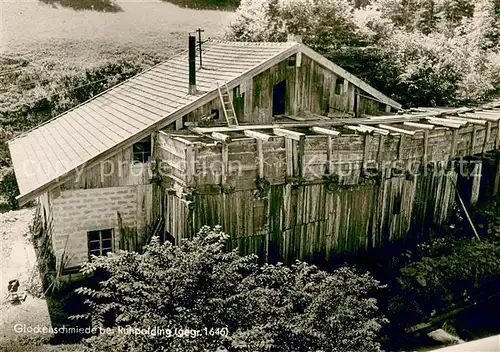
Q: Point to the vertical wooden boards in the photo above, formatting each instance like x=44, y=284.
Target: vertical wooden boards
x=453, y=151
x=476, y=183
x=289, y=157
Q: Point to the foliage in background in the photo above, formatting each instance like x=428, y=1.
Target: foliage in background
x=9, y=190
x=198, y=285
x=436, y=52
x=325, y=25
x=444, y=274
x=421, y=52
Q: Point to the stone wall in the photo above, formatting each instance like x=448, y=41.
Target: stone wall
x=75, y=212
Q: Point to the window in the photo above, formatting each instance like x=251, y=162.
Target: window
x=279, y=98
x=142, y=151
x=238, y=102
x=100, y=242
x=292, y=61
x=339, y=86
x=214, y=114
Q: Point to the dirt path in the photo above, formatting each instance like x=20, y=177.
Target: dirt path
x=17, y=261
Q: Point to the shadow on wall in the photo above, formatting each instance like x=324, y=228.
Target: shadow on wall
x=206, y=4
x=94, y=5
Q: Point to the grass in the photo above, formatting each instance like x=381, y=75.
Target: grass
x=33, y=27
x=51, y=46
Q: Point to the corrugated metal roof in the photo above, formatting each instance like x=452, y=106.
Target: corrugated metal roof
x=55, y=148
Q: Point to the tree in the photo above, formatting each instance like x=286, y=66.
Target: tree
x=325, y=25
x=228, y=300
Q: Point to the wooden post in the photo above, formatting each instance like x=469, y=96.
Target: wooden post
x=401, y=147
x=453, y=151
x=473, y=141
x=497, y=144
x=289, y=156
x=426, y=148
x=380, y=148
x=467, y=213
x=329, y=156
x=487, y=137
x=476, y=182
x=295, y=104
x=190, y=164
x=225, y=163
x=365, y=151
x=301, y=156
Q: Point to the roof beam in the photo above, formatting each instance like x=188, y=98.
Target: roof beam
x=398, y=130
x=375, y=130
x=296, y=136
x=257, y=135
x=325, y=131
x=446, y=123
x=478, y=116
x=460, y=119
x=487, y=112
x=357, y=129
x=332, y=122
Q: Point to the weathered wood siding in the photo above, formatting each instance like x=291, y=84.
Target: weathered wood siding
x=321, y=200
x=315, y=222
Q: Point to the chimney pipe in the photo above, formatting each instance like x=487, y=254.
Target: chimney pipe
x=192, y=64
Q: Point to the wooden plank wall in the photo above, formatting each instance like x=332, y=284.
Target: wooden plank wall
x=310, y=88
x=305, y=216
x=313, y=222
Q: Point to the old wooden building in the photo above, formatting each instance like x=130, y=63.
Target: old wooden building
x=280, y=146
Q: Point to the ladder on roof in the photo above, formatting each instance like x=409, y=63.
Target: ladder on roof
x=227, y=105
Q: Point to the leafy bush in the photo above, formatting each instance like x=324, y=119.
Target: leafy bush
x=9, y=190
x=229, y=300
x=446, y=273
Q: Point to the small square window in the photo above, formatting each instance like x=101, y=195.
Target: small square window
x=339, y=86
x=94, y=236
x=100, y=242
x=292, y=61
x=142, y=151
